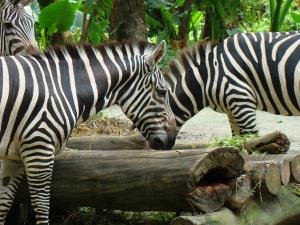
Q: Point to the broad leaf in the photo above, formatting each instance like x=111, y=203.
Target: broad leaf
x=58, y=16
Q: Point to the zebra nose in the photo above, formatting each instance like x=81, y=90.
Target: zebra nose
x=162, y=142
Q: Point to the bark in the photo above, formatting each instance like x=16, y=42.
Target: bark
x=283, y=209
x=184, y=28
x=273, y=143
x=135, y=142
x=241, y=195
x=265, y=176
x=142, y=181
x=207, y=32
x=293, y=160
x=128, y=20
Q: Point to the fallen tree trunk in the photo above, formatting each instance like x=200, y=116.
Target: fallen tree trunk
x=144, y=180
x=134, y=142
x=281, y=209
x=275, y=142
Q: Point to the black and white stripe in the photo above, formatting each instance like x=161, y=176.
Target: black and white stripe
x=44, y=96
x=244, y=73
x=16, y=28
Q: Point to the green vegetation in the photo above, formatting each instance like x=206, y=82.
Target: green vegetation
x=236, y=141
x=173, y=20
x=90, y=216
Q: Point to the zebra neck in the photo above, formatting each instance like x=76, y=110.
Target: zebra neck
x=92, y=76
x=187, y=80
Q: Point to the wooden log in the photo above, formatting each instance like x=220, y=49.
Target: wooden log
x=295, y=168
x=144, y=180
x=134, y=142
x=273, y=143
x=241, y=194
x=285, y=171
x=288, y=172
x=265, y=175
x=282, y=209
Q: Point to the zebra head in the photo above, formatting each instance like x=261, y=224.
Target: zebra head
x=16, y=28
x=146, y=101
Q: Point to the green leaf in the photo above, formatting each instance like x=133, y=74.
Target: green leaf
x=52, y=29
x=58, y=16
x=180, y=3
x=296, y=17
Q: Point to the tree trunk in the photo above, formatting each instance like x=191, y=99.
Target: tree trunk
x=112, y=143
x=183, y=34
x=191, y=180
x=207, y=29
x=128, y=20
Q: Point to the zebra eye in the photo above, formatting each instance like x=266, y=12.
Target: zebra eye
x=161, y=91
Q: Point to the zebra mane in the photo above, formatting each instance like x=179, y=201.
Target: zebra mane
x=200, y=49
x=136, y=48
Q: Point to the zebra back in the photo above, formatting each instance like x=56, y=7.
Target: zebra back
x=242, y=74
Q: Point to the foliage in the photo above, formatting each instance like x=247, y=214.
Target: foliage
x=255, y=16
x=90, y=216
x=295, y=188
x=279, y=10
x=164, y=17
x=235, y=141
x=56, y=17
x=222, y=16
x=96, y=20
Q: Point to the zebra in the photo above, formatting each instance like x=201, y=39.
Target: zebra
x=244, y=73
x=43, y=96
x=16, y=29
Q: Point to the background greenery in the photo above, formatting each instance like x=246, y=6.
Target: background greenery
x=73, y=21
x=88, y=21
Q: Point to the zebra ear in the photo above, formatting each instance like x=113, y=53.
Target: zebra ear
x=157, y=55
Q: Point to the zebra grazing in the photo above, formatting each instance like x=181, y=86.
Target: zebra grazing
x=44, y=96
x=244, y=73
x=16, y=28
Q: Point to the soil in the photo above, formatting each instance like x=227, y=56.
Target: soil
x=208, y=125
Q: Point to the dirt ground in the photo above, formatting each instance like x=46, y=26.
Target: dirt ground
x=208, y=125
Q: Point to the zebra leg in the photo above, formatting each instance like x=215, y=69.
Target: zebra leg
x=12, y=175
x=244, y=118
x=235, y=129
x=39, y=169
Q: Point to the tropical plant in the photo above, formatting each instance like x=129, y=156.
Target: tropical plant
x=56, y=18
x=220, y=18
x=95, y=20
x=279, y=10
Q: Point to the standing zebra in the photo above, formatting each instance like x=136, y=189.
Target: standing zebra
x=44, y=96
x=16, y=28
x=17, y=33
x=244, y=73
